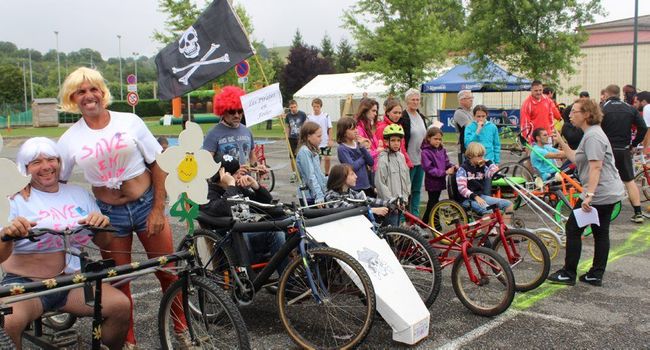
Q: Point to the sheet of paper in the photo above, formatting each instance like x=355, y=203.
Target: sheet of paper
x=584, y=218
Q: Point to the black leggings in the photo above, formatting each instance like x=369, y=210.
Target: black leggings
x=601, y=241
x=434, y=198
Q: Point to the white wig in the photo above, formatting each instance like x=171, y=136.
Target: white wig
x=32, y=149
x=463, y=93
x=411, y=92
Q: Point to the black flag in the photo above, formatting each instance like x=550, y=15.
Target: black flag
x=206, y=50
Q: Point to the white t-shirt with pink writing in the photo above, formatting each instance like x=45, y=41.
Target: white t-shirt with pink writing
x=111, y=155
x=57, y=211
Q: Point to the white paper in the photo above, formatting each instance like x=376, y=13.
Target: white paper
x=262, y=105
x=584, y=218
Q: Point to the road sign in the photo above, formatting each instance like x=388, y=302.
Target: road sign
x=131, y=79
x=132, y=98
x=243, y=80
x=242, y=68
x=132, y=88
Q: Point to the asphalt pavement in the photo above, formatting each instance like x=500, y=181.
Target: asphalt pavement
x=614, y=316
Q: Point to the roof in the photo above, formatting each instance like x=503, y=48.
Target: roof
x=342, y=85
x=462, y=77
x=616, y=38
x=627, y=23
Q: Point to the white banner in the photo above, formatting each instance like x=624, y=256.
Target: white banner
x=262, y=105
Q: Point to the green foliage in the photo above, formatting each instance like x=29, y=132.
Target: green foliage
x=182, y=14
x=327, y=49
x=297, y=39
x=145, y=108
x=11, y=84
x=400, y=40
x=537, y=39
x=345, y=59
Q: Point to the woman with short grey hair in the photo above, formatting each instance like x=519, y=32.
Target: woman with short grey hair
x=415, y=129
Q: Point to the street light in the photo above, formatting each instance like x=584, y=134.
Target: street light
x=58, y=61
x=135, y=60
x=119, y=48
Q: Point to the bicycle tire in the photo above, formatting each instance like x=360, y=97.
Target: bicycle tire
x=418, y=259
x=5, y=341
x=516, y=169
x=268, y=181
x=561, y=207
x=205, y=243
x=551, y=240
x=494, y=266
x=644, y=187
x=443, y=214
x=531, y=263
x=307, y=321
x=225, y=328
x=60, y=321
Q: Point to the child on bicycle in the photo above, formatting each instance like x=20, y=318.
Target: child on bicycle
x=471, y=179
x=340, y=186
x=354, y=153
x=308, y=162
x=436, y=166
x=392, y=178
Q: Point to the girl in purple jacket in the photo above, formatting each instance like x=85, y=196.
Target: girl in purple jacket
x=436, y=166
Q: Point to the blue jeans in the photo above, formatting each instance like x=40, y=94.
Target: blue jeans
x=130, y=217
x=50, y=302
x=417, y=177
x=501, y=203
x=261, y=243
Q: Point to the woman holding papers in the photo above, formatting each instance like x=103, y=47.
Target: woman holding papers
x=603, y=189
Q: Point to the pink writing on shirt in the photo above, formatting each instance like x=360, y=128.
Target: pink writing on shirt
x=105, y=152
x=59, y=219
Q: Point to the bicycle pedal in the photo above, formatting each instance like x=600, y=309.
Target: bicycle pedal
x=65, y=338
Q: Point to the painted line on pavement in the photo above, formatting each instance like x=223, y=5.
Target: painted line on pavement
x=141, y=294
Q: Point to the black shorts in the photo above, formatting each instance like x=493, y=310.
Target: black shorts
x=326, y=151
x=294, y=145
x=623, y=162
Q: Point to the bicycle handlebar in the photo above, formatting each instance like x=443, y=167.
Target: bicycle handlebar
x=259, y=205
x=34, y=233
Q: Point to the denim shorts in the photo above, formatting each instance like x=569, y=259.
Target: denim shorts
x=130, y=217
x=501, y=203
x=50, y=302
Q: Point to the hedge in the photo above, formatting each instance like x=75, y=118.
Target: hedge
x=145, y=108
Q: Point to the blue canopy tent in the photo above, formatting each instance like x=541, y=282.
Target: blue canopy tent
x=491, y=79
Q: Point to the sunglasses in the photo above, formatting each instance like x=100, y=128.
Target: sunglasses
x=235, y=111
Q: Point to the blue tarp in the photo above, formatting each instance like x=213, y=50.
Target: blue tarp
x=462, y=77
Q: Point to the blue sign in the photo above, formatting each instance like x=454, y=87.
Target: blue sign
x=500, y=117
x=242, y=68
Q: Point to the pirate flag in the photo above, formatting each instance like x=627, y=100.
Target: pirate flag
x=206, y=50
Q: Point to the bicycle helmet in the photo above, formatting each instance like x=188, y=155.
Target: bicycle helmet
x=393, y=130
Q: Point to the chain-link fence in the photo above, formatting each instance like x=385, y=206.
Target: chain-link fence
x=13, y=115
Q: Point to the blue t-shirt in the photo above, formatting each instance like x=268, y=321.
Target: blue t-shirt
x=545, y=169
x=295, y=121
x=237, y=142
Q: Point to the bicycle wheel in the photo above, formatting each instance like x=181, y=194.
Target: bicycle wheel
x=530, y=262
x=644, y=187
x=418, y=259
x=223, y=329
x=343, y=316
x=561, y=207
x=515, y=169
x=443, y=215
x=214, y=258
x=267, y=180
x=59, y=321
x=494, y=289
x=5, y=342
x=551, y=240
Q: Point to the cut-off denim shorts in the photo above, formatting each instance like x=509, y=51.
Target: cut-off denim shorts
x=50, y=302
x=130, y=217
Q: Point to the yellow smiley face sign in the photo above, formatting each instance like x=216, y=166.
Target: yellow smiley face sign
x=188, y=168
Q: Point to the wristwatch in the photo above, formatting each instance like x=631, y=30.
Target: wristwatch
x=589, y=194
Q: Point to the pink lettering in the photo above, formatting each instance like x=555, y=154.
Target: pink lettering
x=102, y=165
x=119, y=144
x=69, y=209
x=88, y=150
x=99, y=150
x=112, y=161
x=43, y=214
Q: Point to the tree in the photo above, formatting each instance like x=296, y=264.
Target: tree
x=327, y=50
x=11, y=84
x=297, y=39
x=345, y=58
x=303, y=65
x=538, y=39
x=404, y=38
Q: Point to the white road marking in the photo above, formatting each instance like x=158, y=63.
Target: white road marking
x=150, y=291
x=552, y=318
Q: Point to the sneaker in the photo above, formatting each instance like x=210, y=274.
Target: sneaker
x=637, y=218
x=591, y=279
x=562, y=277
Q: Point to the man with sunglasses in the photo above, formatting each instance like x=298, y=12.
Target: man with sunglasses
x=230, y=136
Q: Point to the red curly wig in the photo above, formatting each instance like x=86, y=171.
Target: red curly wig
x=227, y=99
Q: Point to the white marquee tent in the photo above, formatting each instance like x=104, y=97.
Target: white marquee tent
x=335, y=89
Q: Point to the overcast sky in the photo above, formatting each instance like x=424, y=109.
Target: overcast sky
x=96, y=23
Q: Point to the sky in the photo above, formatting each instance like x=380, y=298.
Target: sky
x=96, y=24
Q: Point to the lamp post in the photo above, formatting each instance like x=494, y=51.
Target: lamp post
x=135, y=61
x=119, y=51
x=58, y=61
x=31, y=80
x=635, y=50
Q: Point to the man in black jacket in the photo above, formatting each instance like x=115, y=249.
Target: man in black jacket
x=229, y=182
x=618, y=118
x=571, y=134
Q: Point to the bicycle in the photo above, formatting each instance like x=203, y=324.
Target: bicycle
x=320, y=286
x=265, y=178
x=642, y=177
x=204, y=327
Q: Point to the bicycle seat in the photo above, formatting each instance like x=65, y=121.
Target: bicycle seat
x=209, y=221
x=312, y=213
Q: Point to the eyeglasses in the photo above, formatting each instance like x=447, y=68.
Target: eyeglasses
x=235, y=111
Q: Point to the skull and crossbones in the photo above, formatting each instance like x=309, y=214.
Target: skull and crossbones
x=189, y=46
